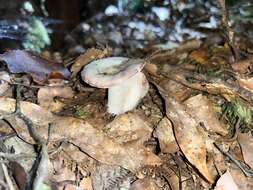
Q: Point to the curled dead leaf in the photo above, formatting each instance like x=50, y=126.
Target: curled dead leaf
x=165, y=135
x=203, y=111
x=128, y=128
x=5, y=80
x=88, y=56
x=190, y=140
x=100, y=147
x=144, y=184
x=38, y=115
x=20, y=61
x=246, y=144
x=46, y=97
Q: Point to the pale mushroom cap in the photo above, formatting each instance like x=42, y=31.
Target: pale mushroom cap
x=107, y=72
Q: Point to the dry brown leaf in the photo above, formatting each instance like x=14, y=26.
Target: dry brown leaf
x=127, y=128
x=165, y=135
x=88, y=56
x=111, y=177
x=175, y=89
x=246, y=83
x=190, y=140
x=20, y=61
x=226, y=182
x=151, y=68
x=5, y=79
x=101, y=147
x=203, y=111
x=246, y=144
x=243, y=65
x=243, y=182
x=174, y=181
x=199, y=56
x=86, y=183
x=38, y=115
x=90, y=140
x=144, y=184
x=46, y=97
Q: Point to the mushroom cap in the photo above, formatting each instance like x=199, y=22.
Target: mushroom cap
x=107, y=72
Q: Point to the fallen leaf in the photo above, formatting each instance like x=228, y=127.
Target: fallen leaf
x=86, y=183
x=19, y=174
x=226, y=182
x=88, y=56
x=200, y=56
x=37, y=114
x=111, y=177
x=100, y=147
x=128, y=128
x=242, y=66
x=144, y=184
x=151, y=68
x=203, y=112
x=46, y=97
x=246, y=83
x=20, y=61
x=175, y=89
x=5, y=80
x=243, y=182
x=165, y=135
x=90, y=140
x=246, y=144
x=190, y=140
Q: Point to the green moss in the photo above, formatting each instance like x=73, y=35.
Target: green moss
x=37, y=36
x=238, y=112
x=81, y=112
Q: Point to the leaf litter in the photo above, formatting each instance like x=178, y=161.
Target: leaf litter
x=192, y=130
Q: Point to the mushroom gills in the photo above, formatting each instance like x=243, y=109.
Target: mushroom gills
x=125, y=96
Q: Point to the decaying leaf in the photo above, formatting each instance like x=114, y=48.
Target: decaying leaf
x=4, y=84
x=111, y=177
x=246, y=143
x=128, y=128
x=144, y=184
x=242, y=182
x=88, y=56
x=203, y=112
x=20, y=61
x=246, y=83
x=242, y=66
x=190, y=140
x=86, y=183
x=151, y=68
x=226, y=182
x=177, y=90
x=46, y=97
x=37, y=114
x=199, y=56
x=165, y=135
x=104, y=149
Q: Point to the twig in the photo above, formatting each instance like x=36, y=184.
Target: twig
x=40, y=166
x=228, y=29
x=4, y=185
x=7, y=177
x=247, y=172
x=15, y=157
x=217, y=88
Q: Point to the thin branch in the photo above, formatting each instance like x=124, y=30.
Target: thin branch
x=247, y=172
x=7, y=177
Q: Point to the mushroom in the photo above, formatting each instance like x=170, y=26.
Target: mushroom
x=126, y=84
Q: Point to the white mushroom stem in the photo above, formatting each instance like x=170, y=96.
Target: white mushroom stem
x=125, y=96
